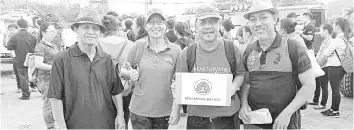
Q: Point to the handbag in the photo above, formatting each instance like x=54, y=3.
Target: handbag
x=316, y=69
x=125, y=82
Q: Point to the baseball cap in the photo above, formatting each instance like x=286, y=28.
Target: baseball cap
x=291, y=15
x=207, y=11
x=308, y=14
x=154, y=11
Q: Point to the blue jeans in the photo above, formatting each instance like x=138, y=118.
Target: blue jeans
x=23, y=76
x=47, y=109
x=230, y=122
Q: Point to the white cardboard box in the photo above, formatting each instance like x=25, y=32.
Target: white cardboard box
x=203, y=89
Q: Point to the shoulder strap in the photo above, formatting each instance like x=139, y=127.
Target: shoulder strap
x=138, y=53
x=191, y=54
x=230, y=55
x=346, y=44
x=121, y=51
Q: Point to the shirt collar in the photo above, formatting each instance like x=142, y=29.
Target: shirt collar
x=47, y=43
x=77, y=52
x=276, y=43
x=167, y=46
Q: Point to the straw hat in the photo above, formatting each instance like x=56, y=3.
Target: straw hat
x=260, y=5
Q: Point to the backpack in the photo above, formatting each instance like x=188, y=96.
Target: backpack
x=347, y=57
x=229, y=51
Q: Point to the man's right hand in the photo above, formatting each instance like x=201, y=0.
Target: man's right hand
x=244, y=113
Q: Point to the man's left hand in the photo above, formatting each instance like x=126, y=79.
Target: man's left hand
x=120, y=123
x=174, y=117
x=282, y=121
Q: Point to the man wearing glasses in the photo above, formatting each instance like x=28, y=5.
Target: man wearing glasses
x=152, y=104
x=210, y=57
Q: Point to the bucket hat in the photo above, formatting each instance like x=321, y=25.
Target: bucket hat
x=89, y=16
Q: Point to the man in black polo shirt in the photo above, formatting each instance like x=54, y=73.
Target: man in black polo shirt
x=308, y=33
x=84, y=89
x=22, y=42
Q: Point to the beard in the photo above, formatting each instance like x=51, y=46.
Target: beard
x=263, y=36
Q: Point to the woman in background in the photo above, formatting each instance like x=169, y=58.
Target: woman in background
x=182, y=32
x=118, y=47
x=336, y=72
x=45, y=52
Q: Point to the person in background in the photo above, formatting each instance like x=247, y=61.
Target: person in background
x=84, y=90
x=342, y=28
x=12, y=29
x=326, y=32
x=44, y=57
x=287, y=29
x=244, y=38
x=152, y=105
x=139, y=27
x=128, y=29
x=22, y=42
x=308, y=33
x=170, y=34
x=182, y=31
x=227, y=26
x=114, y=45
x=293, y=16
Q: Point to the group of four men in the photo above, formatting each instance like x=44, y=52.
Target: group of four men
x=85, y=90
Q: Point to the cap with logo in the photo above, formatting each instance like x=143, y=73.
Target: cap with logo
x=89, y=16
x=155, y=11
x=207, y=11
x=260, y=5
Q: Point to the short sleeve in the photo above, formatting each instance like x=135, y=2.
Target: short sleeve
x=40, y=50
x=239, y=62
x=304, y=62
x=117, y=86
x=182, y=61
x=56, y=84
x=335, y=44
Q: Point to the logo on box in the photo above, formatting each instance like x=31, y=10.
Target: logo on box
x=203, y=87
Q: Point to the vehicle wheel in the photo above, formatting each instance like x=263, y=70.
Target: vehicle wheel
x=346, y=85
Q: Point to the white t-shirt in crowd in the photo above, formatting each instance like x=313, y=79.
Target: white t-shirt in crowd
x=337, y=44
x=324, y=45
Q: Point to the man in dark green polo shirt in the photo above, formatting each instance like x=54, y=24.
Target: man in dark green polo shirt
x=270, y=63
x=84, y=89
x=210, y=57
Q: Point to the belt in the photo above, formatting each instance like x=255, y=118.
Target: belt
x=214, y=118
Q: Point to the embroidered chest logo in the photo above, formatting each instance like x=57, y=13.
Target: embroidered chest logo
x=168, y=59
x=252, y=61
x=203, y=87
x=277, y=58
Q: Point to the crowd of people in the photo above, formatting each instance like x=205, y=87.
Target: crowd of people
x=112, y=75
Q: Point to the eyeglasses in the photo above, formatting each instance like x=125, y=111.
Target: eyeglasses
x=155, y=22
x=52, y=31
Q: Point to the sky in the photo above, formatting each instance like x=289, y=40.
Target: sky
x=137, y=6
